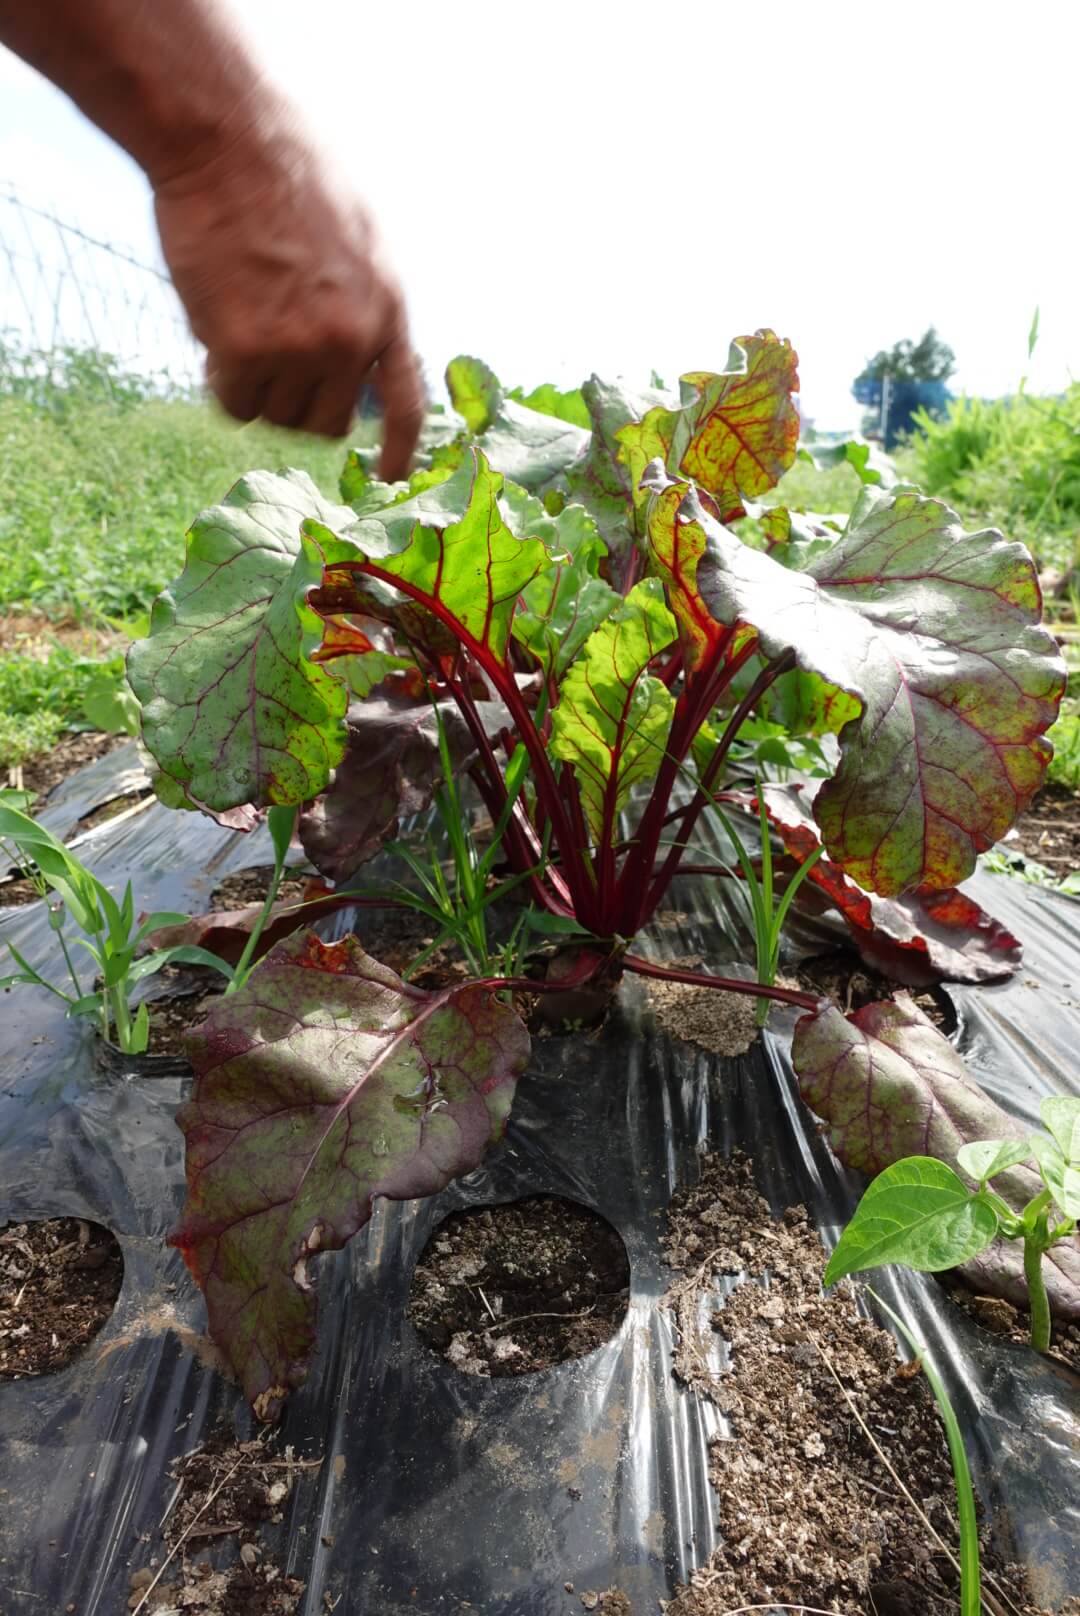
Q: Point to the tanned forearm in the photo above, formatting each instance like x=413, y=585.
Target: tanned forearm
x=276, y=260
x=172, y=81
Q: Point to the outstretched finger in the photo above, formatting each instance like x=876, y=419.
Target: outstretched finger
x=397, y=378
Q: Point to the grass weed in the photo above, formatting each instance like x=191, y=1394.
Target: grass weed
x=1012, y=463
x=95, y=502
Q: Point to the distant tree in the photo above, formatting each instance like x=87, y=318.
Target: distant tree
x=928, y=360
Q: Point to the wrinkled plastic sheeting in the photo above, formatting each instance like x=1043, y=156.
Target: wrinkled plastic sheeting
x=441, y=1492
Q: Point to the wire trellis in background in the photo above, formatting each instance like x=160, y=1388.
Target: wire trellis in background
x=64, y=290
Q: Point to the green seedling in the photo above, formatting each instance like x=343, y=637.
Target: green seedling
x=110, y=933
x=766, y=916
x=970, y=1563
x=459, y=906
x=922, y=1214
x=281, y=822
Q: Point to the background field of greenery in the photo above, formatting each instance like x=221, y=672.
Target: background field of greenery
x=100, y=476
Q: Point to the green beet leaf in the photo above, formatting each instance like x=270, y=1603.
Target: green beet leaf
x=600, y=478
x=933, y=631
x=548, y=400
x=449, y=551
x=612, y=720
x=1061, y=1117
x=735, y=433
x=531, y=446
x=983, y=1159
x=564, y=603
x=917, y=1212
x=865, y=459
x=474, y=392
x=232, y=711
x=324, y=1083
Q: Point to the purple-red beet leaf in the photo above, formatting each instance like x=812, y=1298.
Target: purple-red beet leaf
x=322, y=1083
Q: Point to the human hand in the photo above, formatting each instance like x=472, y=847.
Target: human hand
x=280, y=270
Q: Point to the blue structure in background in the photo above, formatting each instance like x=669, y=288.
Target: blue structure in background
x=904, y=398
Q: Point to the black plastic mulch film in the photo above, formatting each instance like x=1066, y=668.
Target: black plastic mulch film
x=443, y=1492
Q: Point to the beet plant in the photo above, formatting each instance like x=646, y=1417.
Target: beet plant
x=593, y=634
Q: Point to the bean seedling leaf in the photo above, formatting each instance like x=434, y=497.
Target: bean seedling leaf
x=1061, y=1117
x=984, y=1158
x=1061, y=1180
x=889, y=1086
x=917, y=1212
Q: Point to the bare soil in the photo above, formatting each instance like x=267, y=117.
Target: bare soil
x=212, y=1557
x=195, y=989
x=721, y=1022
x=16, y=894
x=59, y=1281
x=843, y=977
x=808, y=1511
x=114, y=808
x=1049, y=832
x=30, y=634
x=503, y=1290
x=251, y=886
x=71, y=752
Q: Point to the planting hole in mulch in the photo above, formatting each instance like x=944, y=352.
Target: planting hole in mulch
x=175, y=1013
x=251, y=886
x=504, y=1290
x=708, y=1017
x=808, y=1511
x=843, y=977
x=224, y=1498
x=114, y=808
x=59, y=1280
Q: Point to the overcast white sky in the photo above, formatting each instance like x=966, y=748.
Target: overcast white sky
x=604, y=186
